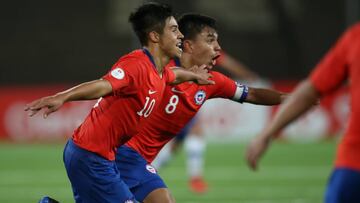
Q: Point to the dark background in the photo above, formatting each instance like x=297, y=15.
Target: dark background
x=46, y=42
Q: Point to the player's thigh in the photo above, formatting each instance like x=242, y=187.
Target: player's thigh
x=343, y=186
x=161, y=195
x=93, y=178
x=141, y=178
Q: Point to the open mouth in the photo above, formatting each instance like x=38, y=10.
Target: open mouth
x=179, y=46
x=213, y=60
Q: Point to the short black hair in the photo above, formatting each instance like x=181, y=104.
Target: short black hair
x=149, y=17
x=191, y=24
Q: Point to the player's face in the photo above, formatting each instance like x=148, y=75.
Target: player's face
x=170, y=39
x=206, y=48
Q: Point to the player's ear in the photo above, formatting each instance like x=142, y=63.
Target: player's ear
x=154, y=36
x=187, y=45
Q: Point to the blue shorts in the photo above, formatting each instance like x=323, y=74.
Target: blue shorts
x=343, y=186
x=94, y=178
x=140, y=176
x=185, y=131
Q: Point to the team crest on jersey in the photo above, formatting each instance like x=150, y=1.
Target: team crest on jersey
x=150, y=168
x=200, y=97
x=118, y=73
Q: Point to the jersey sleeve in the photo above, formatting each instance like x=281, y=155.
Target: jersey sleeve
x=332, y=70
x=122, y=76
x=227, y=88
x=169, y=75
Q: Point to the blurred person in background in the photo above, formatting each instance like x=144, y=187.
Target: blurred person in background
x=127, y=95
x=179, y=105
x=193, y=136
x=340, y=65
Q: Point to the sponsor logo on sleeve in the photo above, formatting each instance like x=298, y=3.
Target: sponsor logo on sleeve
x=118, y=73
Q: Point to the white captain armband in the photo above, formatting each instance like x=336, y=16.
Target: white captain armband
x=241, y=92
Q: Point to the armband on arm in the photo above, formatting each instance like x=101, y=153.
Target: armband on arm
x=241, y=93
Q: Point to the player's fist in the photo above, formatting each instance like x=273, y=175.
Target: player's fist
x=50, y=104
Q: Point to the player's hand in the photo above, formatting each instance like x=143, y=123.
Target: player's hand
x=50, y=104
x=203, y=75
x=255, y=150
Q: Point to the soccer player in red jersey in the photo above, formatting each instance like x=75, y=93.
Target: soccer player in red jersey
x=128, y=95
x=340, y=64
x=179, y=105
x=192, y=135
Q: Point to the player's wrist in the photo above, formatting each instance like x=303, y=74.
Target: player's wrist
x=61, y=96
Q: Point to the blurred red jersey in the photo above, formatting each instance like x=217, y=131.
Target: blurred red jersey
x=343, y=62
x=179, y=105
x=137, y=90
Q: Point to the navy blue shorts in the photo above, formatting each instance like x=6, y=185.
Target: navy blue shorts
x=141, y=177
x=94, y=178
x=343, y=186
x=185, y=131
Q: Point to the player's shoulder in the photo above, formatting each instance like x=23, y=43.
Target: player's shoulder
x=356, y=27
x=135, y=55
x=218, y=77
x=135, y=60
x=353, y=32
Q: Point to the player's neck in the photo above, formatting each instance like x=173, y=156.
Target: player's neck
x=185, y=61
x=159, y=57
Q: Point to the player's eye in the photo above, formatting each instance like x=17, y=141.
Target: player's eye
x=210, y=40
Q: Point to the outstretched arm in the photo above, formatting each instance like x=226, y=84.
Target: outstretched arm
x=302, y=99
x=265, y=96
x=85, y=91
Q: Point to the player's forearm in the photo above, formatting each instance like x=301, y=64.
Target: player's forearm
x=86, y=91
x=182, y=75
x=265, y=96
x=302, y=99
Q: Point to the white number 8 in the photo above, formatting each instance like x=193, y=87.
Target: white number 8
x=171, y=107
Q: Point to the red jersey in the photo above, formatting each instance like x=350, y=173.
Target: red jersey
x=340, y=63
x=179, y=105
x=137, y=89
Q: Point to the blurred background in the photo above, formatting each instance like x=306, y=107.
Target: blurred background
x=47, y=46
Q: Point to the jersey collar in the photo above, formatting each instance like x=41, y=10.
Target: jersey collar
x=148, y=54
x=177, y=62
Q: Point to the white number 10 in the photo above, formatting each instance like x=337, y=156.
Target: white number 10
x=148, y=107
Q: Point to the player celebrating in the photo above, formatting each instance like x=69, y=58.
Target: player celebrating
x=128, y=95
x=179, y=105
x=341, y=62
x=193, y=136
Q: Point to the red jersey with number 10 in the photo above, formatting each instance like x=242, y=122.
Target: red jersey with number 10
x=137, y=90
x=178, y=106
x=343, y=62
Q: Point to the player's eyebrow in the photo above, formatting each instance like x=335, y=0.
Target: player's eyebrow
x=211, y=35
x=174, y=26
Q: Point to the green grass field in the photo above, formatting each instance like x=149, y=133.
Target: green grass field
x=289, y=173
